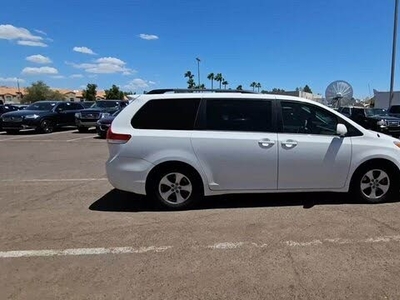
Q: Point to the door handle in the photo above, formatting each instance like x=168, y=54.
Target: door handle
x=266, y=143
x=289, y=144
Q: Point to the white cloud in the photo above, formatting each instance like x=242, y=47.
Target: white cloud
x=11, y=80
x=76, y=76
x=58, y=76
x=148, y=36
x=110, y=60
x=40, y=32
x=151, y=82
x=23, y=36
x=32, y=43
x=39, y=71
x=39, y=59
x=84, y=50
x=104, y=65
x=137, y=84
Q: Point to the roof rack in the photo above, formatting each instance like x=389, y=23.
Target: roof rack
x=164, y=91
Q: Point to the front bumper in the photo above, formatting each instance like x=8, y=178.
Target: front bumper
x=128, y=174
x=19, y=125
x=85, y=122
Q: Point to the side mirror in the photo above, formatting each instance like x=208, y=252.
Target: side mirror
x=341, y=130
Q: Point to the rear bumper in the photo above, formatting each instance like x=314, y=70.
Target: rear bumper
x=128, y=174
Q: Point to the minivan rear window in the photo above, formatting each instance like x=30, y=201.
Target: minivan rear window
x=167, y=114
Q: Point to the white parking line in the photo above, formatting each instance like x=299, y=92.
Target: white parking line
x=81, y=251
x=222, y=246
x=54, y=180
x=31, y=135
x=82, y=138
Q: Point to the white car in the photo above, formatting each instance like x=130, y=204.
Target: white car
x=178, y=147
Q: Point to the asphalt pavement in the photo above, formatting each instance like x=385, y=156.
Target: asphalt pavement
x=65, y=233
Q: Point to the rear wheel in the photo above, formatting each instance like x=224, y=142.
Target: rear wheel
x=83, y=129
x=175, y=188
x=375, y=183
x=46, y=126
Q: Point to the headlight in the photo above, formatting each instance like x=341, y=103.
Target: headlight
x=382, y=123
x=77, y=115
x=34, y=116
x=103, y=115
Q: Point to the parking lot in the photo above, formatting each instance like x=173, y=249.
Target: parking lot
x=66, y=234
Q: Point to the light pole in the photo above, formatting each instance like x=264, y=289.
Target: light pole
x=393, y=52
x=198, y=70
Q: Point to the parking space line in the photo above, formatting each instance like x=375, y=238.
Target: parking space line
x=82, y=251
x=82, y=138
x=54, y=180
x=224, y=246
x=30, y=136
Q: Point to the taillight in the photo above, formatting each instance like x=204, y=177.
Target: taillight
x=117, y=138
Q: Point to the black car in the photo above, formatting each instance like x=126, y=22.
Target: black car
x=104, y=123
x=5, y=109
x=43, y=116
x=88, y=117
x=376, y=119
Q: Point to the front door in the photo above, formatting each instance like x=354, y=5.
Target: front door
x=237, y=146
x=311, y=155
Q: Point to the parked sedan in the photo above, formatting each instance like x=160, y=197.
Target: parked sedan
x=43, y=116
x=104, y=123
x=5, y=109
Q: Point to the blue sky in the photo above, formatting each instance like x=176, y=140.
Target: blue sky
x=140, y=45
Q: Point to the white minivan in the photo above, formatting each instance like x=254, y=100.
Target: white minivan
x=177, y=146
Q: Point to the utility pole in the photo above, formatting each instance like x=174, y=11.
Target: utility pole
x=393, y=52
x=198, y=70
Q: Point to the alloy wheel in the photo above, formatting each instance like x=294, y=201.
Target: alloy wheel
x=175, y=188
x=375, y=184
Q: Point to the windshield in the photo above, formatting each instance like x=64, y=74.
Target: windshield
x=41, y=106
x=105, y=104
x=376, y=112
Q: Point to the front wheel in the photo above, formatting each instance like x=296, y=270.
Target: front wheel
x=375, y=184
x=46, y=126
x=175, y=188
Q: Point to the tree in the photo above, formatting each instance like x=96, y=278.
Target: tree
x=89, y=94
x=253, y=85
x=307, y=89
x=114, y=93
x=239, y=87
x=258, y=86
x=219, y=78
x=190, y=82
x=225, y=83
x=200, y=87
x=211, y=77
x=39, y=91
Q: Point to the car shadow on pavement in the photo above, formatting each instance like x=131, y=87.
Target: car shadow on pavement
x=119, y=201
x=34, y=132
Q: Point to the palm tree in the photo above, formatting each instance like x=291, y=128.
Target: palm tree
x=219, y=79
x=211, y=77
x=225, y=83
x=253, y=85
x=258, y=86
x=190, y=82
x=239, y=87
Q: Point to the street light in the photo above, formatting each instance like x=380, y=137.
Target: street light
x=198, y=70
x=393, y=52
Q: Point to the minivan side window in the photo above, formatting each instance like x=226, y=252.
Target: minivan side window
x=167, y=114
x=300, y=117
x=239, y=115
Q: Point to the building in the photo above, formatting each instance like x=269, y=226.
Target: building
x=10, y=94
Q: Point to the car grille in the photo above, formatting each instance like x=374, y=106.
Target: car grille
x=393, y=123
x=12, y=119
x=90, y=116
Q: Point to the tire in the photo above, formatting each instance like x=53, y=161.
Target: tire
x=175, y=188
x=46, y=126
x=375, y=183
x=83, y=129
x=14, y=131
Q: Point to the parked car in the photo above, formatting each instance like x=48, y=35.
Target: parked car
x=4, y=109
x=43, y=116
x=88, y=117
x=87, y=104
x=394, y=111
x=177, y=148
x=376, y=119
x=104, y=123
